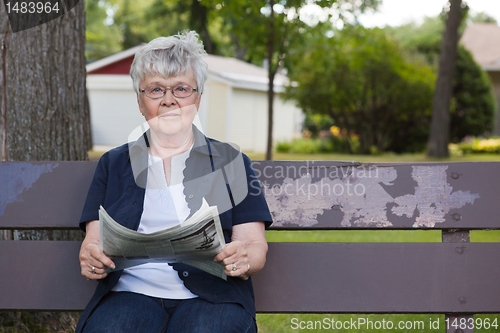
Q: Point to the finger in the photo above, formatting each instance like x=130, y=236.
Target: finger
x=92, y=269
x=239, y=257
x=231, y=267
x=90, y=275
x=240, y=272
x=100, y=260
x=92, y=255
x=237, y=269
x=230, y=260
x=93, y=263
x=96, y=270
x=227, y=252
x=230, y=249
x=245, y=275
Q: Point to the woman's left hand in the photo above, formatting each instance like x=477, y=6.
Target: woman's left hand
x=246, y=254
x=234, y=257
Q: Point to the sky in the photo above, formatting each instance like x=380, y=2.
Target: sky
x=398, y=12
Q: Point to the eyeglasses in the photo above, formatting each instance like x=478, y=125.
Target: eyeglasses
x=156, y=92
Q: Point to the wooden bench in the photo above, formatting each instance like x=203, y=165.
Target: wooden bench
x=454, y=277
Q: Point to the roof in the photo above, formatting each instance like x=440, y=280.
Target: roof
x=483, y=40
x=236, y=71
x=101, y=64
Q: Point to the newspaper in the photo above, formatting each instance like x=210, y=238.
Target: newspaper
x=195, y=242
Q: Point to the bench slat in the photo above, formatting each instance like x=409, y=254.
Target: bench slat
x=45, y=195
x=398, y=196
x=42, y=275
x=380, y=278
x=298, y=277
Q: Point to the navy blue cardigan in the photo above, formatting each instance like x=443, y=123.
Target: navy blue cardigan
x=119, y=186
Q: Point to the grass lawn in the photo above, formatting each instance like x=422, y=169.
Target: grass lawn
x=281, y=323
x=432, y=323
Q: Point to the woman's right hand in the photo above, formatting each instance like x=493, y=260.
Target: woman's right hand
x=93, y=261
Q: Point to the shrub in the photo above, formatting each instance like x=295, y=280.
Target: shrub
x=472, y=145
x=283, y=146
x=315, y=146
x=300, y=146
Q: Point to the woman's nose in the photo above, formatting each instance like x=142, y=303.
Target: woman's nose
x=169, y=98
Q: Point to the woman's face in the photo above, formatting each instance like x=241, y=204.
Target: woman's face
x=169, y=115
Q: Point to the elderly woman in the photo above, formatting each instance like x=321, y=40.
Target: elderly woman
x=168, y=77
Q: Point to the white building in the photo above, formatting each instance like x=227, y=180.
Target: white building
x=233, y=106
x=483, y=41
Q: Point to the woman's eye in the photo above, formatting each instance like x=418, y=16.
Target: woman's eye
x=156, y=90
x=180, y=88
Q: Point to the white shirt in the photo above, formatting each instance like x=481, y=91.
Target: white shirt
x=164, y=207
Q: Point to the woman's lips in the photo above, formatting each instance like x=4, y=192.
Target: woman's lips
x=169, y=115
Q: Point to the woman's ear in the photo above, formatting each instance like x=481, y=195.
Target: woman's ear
x=140, y=106
x=198, y=102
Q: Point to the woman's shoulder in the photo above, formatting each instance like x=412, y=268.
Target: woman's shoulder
x=118, y=154
x=228, y=150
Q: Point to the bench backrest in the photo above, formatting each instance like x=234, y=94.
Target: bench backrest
x=454, y=276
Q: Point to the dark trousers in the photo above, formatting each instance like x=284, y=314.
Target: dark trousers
x=121, y=312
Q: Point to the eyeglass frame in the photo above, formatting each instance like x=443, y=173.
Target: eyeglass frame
x=171, y=90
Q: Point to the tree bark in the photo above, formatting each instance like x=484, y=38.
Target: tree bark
x=440, y=124
x=199, y=21
x=270, y=91
x=44, y=106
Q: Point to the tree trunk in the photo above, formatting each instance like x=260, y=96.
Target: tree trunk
x=440, y=124
x=44, y=105
x=198, y=21
x=270, y=91
x=241, y=51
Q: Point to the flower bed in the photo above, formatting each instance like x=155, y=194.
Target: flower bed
x=476, y=146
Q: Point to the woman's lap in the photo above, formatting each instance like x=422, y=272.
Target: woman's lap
x=130, y=312
x=127, y=312
x=200, y=316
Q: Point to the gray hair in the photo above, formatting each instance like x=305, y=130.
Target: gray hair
x=169, y=57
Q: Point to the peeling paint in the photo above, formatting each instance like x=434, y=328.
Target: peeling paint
x=363, y=200
x=15, y=179
x=433, y=197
